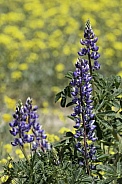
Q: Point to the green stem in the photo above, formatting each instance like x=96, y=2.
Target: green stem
x=24, y=153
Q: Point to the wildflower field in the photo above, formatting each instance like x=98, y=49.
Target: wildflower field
x=39, y=44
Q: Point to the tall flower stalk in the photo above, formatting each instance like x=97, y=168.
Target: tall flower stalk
x=26, y=128
x=82, y=97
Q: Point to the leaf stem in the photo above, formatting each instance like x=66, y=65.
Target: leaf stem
x=24, y=153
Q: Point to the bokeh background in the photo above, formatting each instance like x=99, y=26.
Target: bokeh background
x=39, y=41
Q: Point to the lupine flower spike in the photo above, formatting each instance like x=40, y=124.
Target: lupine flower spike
x=90, y=48
x=82, y=98
x=26, y=128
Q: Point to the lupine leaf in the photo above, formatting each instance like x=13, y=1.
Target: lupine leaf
x=58, y=96
x=108, y=113
x=68, y=91
x=63, y=102
x=103, y=156
x=98, y=131
x=69, y=104
x=99, y=106
x=71, y=117
x=69, y=134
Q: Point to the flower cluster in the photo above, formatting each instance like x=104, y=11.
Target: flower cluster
x=82, y=98
x=90, y=49
x=83, y=110
x=26, y=127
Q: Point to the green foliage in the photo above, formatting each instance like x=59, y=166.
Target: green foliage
x=108, y=114
x=56, y=166
x=60, y=165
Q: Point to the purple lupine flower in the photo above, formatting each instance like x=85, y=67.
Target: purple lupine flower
x=90, y=47
x=25, y=119
x=82, y=98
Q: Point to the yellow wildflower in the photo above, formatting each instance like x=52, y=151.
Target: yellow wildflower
x=10, y=103
x=8, y=148
x=14, y=31
x=4, y=178
x=109, y=52
x=52, y=138
x=6, y=117
x=63, y=130
x=120, y=73
x=23, y=66
x=45, y=110
x=45, y=104
x=16, y=75
x=55, y=89
x=3, y=161
x=118, y=45
x=60, y=75
x=19, y=153
x=102, y=172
